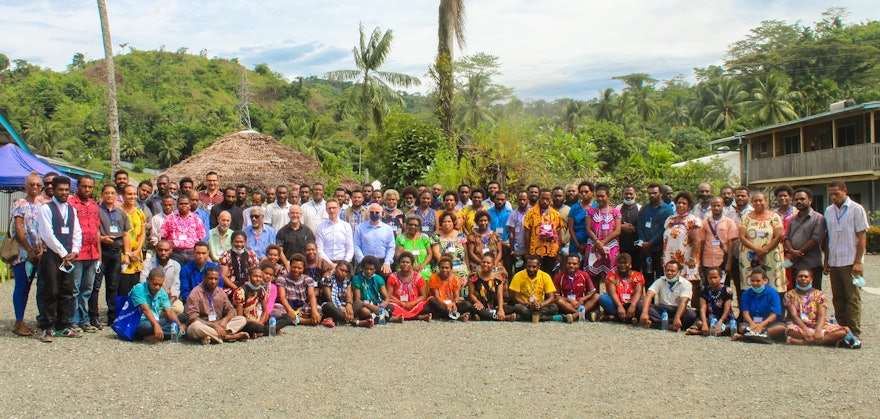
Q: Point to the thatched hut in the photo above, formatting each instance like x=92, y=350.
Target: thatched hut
x=251, y=158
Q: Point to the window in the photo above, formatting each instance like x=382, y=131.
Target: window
x=846, y=135
x=792, y=144
x=819, y=203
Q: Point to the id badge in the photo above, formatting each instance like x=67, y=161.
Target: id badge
x=416, y=252
x=716, y=242
x=114, y=229
x=486, y=250
x=183, y=237
x=65, y=230
x=758, y=319
x=606, y=226
x=532, y=299
x=212, y=317
x=648, y=224
x=404, y=298
x=426, y=229
x=570, y=296
x=760, y=234
x=499, y=230
x=625, y=297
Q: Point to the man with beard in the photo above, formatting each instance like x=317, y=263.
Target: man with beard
x=558, y=203
x=534, y=192
x=804, y=236
x=87, y=264
x=229, y=206
x=542, y=226
x=210, y=316
x=171, y=269
x=629, y=219
x=257, y=200
x=571, y=194
x=719, y=233
x=704, y=194
x=356, y=213
x=154, y=202
x=533, y=292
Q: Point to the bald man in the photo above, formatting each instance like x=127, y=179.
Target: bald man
x=373, y=237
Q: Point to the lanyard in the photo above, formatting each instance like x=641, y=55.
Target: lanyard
x=340, y=290
x=838, y=215
x=571, y=283
x=533, y=285
x=110, y=215
x=211, y=301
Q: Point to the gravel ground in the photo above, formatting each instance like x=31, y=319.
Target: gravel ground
x=483, y=369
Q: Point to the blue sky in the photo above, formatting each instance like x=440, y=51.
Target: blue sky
x=548, y=48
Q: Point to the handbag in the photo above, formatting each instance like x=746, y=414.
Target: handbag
x=10, y=247
x=128, y=318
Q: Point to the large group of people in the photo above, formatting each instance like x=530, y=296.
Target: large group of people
x=230, y=263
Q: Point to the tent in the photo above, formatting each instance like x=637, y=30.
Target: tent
x=17, y=163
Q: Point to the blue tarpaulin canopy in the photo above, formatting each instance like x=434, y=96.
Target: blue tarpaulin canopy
x=15, y=164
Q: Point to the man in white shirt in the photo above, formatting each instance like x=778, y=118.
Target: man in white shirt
x=315, y=211
x=844, y=254
x=60, y=232
x=673, y=294
x=171, y=269
x=334, y=237
x=277, y=211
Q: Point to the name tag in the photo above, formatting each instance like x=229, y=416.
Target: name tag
x=486, y=249
x=532, y=299
x=838, y=228
x=404, y=298
x=416, y=252
x=716, y=242
x=499, y=230
x=212, y=317
x=183, y=237
x=648, y=224
x=758, y=319
x=65, y=230
x=571, y=296
x=114, y=229
x=606, y=226
x=426, y=229
x=760, y=234
x=626, y=297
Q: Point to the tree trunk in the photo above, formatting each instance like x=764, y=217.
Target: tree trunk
x=111, y=86
x=443, y=67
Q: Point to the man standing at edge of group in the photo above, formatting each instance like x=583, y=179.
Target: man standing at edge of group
x=211, y=195
x=652, y=217
x=844, y=254
x=61, y=234
x=804, y=237
x=88, y=262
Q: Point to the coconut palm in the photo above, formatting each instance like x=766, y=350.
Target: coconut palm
x=678, y=114
x=573, y=114
x=771, y=101
x=111, y=86
x=726, y=100
x=169, y=151
x=372, y=90
x=131, y=147
x=605, y=105
x=475, y=97
x=450, y=28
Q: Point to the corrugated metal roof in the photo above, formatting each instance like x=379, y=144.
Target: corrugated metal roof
x=851, y=109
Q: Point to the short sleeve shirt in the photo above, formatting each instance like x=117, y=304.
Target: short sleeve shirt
x=625, y=287
x=671, y=294
x=715, y=299
x=539, y=223
x=447, y=288
x=540, y=287
x=411, y=289
x=369, y=287
x=158, y=303
x=573, y=286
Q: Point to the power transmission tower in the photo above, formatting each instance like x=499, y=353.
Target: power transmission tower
x=243, y=106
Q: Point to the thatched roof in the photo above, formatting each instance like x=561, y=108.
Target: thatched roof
x=251, y=158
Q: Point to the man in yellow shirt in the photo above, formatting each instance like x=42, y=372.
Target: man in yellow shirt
x=533, y=293
x=467, y=213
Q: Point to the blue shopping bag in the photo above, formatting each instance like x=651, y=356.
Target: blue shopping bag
x=128, y=318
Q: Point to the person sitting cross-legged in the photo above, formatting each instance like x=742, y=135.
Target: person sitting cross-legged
x=673, y=293
x=157, y=315
x=211, y=317
x=574, y=289
x=533, y=292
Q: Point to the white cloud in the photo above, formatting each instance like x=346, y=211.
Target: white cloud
x=548, y=48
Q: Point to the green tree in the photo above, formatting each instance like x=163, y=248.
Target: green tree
x=770, y=100
x=726, y=99
x=370, y=95
x=169, y=152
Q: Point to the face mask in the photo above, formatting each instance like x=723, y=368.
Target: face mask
x=629, y=201
x=409, y=205
x=253, y=287
x=390, y=209
x=807, y=288
x=375, y=217
x=672, y=280
x=758, y=289
x=237, y=250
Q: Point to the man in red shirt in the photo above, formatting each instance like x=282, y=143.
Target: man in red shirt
x=574, y=288
x=88, y=262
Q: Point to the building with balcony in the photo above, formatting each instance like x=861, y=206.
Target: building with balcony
x=812, y=151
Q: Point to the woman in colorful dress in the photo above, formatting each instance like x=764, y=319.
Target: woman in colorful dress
x=392, y=215
x=487, y=291
x=761, y=237
x=482, y=241
x=603, y=229
x=408, y=292
x=577, y=218
x=681, y=238
x=417, y=243
x=807, y=316
x=131, y=274
x=236, y=263
x=26, y=220
x=450, y=242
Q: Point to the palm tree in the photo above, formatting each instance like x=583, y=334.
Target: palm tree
x=131, y=147
x=573, y=114
x=678, y=114
x=42, y=136
x=726, y=99
x=771, y=100
x=111, y=86
x=169, y=151
x=475, y=98
x=450, y=27
x=369, y=96
x=605, y=105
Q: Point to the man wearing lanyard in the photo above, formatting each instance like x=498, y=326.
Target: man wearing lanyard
x=783, y=195
x=650, y=231
x=373, y=237
x=804, y=237
x=575, y=288
x=211, y=318
x=515, y=230
x=499, y=213
x=357, y=212
x=294, y=236
x=844, y=254
x=114, y=231
x=718, y=234
x=60, y=231
x=704, y=194
x=87, y=264
x=543, y=226
x=259, y=234
x=533, y=292
x=170, y=269
x=183, y=229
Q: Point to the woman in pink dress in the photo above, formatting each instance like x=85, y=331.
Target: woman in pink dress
x=603, y=229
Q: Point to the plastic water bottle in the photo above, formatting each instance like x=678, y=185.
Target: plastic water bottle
x=272, y=325
x=732, y=326
x=664, y=321
x=175, y=331
x=713, y=327
x=582, y=315
x=832, y=320
x=649, y=269
x=382, y=315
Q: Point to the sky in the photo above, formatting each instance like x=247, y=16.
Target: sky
x=548, y=49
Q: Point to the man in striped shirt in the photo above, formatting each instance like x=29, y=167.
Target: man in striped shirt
x=844, y=254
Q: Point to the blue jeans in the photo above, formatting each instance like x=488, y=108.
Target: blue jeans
x=145, y=328
x=21, y=292
x=83, y=281
x=611, y=310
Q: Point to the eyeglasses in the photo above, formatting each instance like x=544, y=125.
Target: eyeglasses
x=256, y=216
x=413, y=224
x=32, y=184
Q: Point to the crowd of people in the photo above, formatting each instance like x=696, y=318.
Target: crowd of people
x=228, y=264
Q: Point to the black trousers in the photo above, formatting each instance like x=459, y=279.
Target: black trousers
x=524, y=312
x=330, y=310
x=55, y=289
x=438, y=308
x=485, y=314
x=255, y=327
x=655, y=312
x=111, y=262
